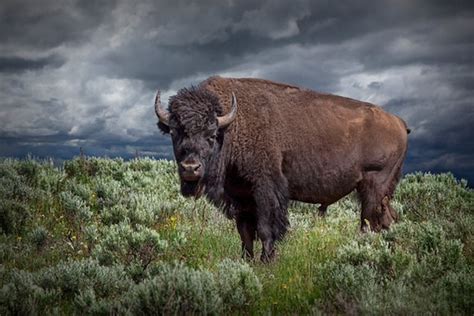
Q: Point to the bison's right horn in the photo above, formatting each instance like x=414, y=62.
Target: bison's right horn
x=161, y=112
x=225, y=120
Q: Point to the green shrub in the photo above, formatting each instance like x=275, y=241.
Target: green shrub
x=22, y=296
x=75, y=208
x=86, y=302
x=43, y=291
x=39, y=237
x=392, y=271
x=80, y=168
x=15, y=196
x=81, y=190
x=70, y=278
x=144, y=164
x=91, y=235
x=238, y=284
x=137, y=208
x=29, y=169
x=109, y=192
x=434, y=252
x=345, y=286
x=123, y=243
x=377, y=254
x=13, y=216
x=177, y=290
x=438, y=198
x=114, y=168
x=458, y=290
x=114, y=214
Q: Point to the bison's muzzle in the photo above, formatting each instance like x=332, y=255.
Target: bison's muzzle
x=191, y=171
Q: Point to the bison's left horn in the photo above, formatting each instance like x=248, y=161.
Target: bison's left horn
x=225, y=120
x=161, y=112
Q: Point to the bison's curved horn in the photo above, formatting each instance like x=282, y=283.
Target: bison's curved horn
x=225, y=120
x=161, y=112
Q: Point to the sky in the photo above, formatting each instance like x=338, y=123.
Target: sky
x=83, y=74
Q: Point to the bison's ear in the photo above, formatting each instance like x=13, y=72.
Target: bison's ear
x=163, y=127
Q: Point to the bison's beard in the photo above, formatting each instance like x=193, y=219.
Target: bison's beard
x=192, y=188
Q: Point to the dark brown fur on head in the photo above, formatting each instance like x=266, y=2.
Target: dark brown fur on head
x=195, y=133
x=193, y=109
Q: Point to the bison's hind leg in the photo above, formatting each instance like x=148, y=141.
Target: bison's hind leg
x=375, y=192
x=322, y=210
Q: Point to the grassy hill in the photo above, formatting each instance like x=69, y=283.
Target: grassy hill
x=104, y=236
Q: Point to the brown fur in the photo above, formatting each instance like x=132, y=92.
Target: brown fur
x=289, y=143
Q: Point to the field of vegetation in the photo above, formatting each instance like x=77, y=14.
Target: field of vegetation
x=105, y=236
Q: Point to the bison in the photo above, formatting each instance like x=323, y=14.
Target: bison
x=252, y=145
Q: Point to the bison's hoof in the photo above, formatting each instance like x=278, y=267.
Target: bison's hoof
x=267, y=258
x=247, y=256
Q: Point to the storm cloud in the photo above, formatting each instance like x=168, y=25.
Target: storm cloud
x=83, y=73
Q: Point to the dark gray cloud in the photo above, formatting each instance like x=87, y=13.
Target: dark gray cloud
x=27, y=24
x=18, y=64
x=83, y=73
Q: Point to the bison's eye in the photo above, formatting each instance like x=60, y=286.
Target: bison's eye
x=211, y=139
x=174, y=132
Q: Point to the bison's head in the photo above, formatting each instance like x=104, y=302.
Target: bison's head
x=196, y=124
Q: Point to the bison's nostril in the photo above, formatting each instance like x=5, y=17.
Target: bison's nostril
x=190, y=167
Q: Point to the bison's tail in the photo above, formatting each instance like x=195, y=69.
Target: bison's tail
x=404, y=124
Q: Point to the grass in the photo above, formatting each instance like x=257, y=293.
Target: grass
x=105, y=236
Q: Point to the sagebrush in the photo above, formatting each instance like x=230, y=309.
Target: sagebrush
x=107, y=236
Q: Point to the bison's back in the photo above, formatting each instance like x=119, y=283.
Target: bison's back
x=299, y=117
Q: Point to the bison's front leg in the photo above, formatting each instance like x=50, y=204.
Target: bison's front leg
x=247, y=226
x=272, y=219
x=268, y=241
